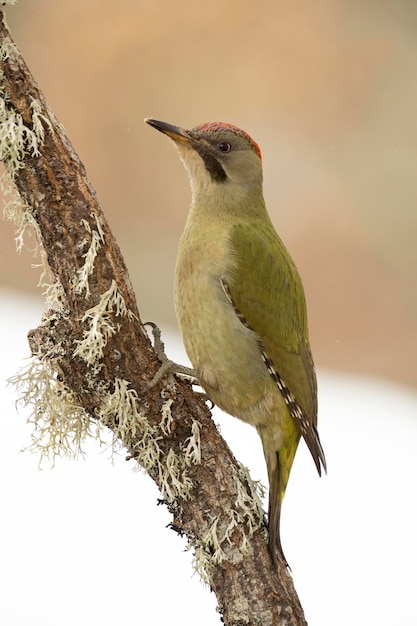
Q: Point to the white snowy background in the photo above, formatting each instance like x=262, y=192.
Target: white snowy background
x=86, y=543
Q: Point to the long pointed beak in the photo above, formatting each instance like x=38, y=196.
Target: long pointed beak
x=174, y=132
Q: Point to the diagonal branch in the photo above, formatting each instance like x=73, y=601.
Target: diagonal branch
x=95, y=360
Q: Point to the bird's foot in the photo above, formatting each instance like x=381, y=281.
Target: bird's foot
x=168, y=367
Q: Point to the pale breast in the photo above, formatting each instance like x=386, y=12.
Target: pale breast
x=224, y=352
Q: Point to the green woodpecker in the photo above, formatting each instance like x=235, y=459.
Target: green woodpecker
x=240, y=303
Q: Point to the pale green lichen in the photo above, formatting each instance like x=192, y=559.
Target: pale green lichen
x=209, y=551
x=60, y=424
x=53, y=291
x=101, y=326
x=167, y=418
x=38, y=121
x=221, y=531
x=230, y=526
x=17, y=140
x=7, y=49
x=249, y=502
x=81, y=283
x=193, y=449
x=174, y=481
x=173, y=475
x=121, y=410
x=18, y=211
x=203, y=564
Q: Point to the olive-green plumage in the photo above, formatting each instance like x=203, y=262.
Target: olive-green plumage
x=240, y=303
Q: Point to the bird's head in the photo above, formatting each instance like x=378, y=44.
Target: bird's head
x=216, y=154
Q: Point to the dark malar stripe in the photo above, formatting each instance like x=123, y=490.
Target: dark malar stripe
x=213, y=165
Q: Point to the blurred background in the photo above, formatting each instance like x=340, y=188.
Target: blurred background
x=328, y=89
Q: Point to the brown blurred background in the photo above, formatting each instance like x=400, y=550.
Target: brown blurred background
x=329, y=91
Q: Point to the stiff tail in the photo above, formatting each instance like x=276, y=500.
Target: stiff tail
x=279, y=463
x=276, y=493
x=279, y=459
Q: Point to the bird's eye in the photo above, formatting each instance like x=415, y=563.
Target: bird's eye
x=224, y=147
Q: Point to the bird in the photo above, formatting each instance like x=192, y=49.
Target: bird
x=240, y=304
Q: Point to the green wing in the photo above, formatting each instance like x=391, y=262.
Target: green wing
x=266, y=289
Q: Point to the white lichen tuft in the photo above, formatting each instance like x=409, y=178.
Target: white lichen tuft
x=38, y=121
x=60, y=424
x=174, y=481
x=120, y=409
x=230, y=526
x=203, y=564
x=97, y=240
x=193, y=449
x=221, y=531
x=52, y=291
x=7, y=48
x=248, y=503
x=213, y=540
x=18, y=211
x=209, y=552
x=101, y=326
x=17, y=140
x=167, y=418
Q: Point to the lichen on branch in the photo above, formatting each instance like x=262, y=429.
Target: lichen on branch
x=92, y=363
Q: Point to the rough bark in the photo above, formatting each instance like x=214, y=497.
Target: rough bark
x=56, y=189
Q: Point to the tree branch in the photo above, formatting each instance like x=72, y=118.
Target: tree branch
x=95, y=360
